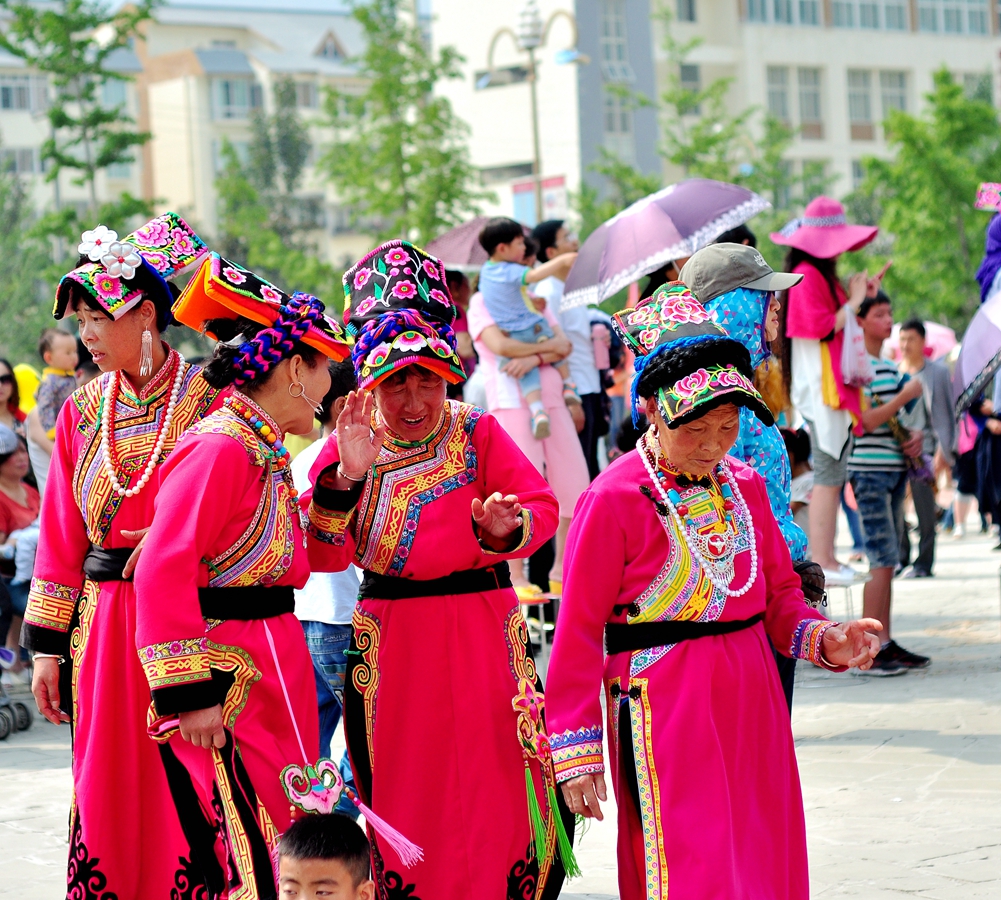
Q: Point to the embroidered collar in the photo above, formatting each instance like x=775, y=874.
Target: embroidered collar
x=158, y=385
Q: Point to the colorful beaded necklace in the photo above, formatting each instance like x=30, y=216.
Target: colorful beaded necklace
x=713, y=551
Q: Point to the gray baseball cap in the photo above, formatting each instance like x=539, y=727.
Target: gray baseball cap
x=720, y=268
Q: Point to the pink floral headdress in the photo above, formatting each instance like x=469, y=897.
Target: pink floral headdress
x=120, y=273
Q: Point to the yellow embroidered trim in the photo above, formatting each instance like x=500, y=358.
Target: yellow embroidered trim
x=50, y=604
x=176, y=662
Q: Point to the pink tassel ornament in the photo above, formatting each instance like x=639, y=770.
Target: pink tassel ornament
x=409, y=853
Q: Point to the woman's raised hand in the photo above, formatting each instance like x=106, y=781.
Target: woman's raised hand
x=583, y=793
x=853, y=644
x=497, y=517
x=357, y=444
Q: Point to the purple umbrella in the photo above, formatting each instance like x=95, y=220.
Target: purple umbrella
x=979, y=355
x=668, y=225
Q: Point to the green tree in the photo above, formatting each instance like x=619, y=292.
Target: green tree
x=71, y=42
x=924, y=198
x=399, y=156
x=248, y=234
x=25, y=300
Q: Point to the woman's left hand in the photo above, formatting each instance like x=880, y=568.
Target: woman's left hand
x=852, y=644
x=497, y=517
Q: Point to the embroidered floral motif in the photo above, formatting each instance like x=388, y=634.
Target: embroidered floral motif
x=690, y=392
x=176, y=662
x=50, y=604
x=807, y=640
x=577, y=752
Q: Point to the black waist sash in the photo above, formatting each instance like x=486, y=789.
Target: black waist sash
x=620, y=638
x=468, y=581
x=106, y=565
x=252, y=602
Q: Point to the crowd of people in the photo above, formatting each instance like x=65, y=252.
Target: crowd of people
x=205, y=601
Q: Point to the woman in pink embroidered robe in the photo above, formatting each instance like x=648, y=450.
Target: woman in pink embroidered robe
x=124, y=835
x=429, y=705
x=234, y=700
x=676, y=560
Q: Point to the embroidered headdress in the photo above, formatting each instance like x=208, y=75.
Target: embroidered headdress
x=670, y=320
x=224, y=290
x=400, y=312
x=121, y=273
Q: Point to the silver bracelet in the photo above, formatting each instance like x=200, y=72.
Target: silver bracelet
x=346, y=477
x=58, y=656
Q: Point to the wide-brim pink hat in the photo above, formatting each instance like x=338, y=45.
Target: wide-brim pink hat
x=823, y=232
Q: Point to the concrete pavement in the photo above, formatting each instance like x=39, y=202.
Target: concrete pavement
x=901, y=776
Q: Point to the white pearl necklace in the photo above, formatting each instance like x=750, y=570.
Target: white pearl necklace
x=683, y=528
x=110, y=393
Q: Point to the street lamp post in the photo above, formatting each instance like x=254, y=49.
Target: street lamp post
x=531, y=36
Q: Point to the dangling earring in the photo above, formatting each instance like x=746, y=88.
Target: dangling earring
x=302, y=389
x=146, y=354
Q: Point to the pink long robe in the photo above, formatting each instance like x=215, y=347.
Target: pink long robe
x=430, y=692
x=125, y=838
x=720, y=814
x=226, y=518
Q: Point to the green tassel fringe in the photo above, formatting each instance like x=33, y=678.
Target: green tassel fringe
x=538, y=823
x=570, y=865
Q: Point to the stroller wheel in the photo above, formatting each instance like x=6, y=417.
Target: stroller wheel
x=22, y=716
x=6, y=723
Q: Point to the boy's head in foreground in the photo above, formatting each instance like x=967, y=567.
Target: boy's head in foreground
x=324, y=856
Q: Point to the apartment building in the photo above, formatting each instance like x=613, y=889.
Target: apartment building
x=591, y=46
x=833, y=69
x=199, y=72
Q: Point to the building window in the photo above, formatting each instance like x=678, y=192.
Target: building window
x=686, y=10
x=843, y=14
x=15, y=92
x=614, y=45
x=895, y=16
x=20, y=161
x=868, y=15
x=953, y=16
x=236, y=97
x=757, y=11
x=858, y=174
x=860, y=105
x=811, y=124
x=306, y=95
x=691, y=82
x=809, y=12
x=783, y=11
x=778, y=93
x=240, y=148
x=893, y=91
x=619, y=127
x=121, y=171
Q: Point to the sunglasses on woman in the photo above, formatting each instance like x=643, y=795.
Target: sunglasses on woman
x=6, y=379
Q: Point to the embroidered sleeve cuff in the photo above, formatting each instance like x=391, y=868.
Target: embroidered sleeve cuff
x=519, y=538
x=51, y=605
x=577, y=753
x=807, y=641
x=179, y=675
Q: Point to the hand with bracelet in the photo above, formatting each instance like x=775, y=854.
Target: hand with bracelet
x=358, y=444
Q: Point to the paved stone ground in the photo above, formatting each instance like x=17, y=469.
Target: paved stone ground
x=901, y=776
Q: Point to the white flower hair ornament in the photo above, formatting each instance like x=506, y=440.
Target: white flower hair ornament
x=121, y=260
x=96, y=243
